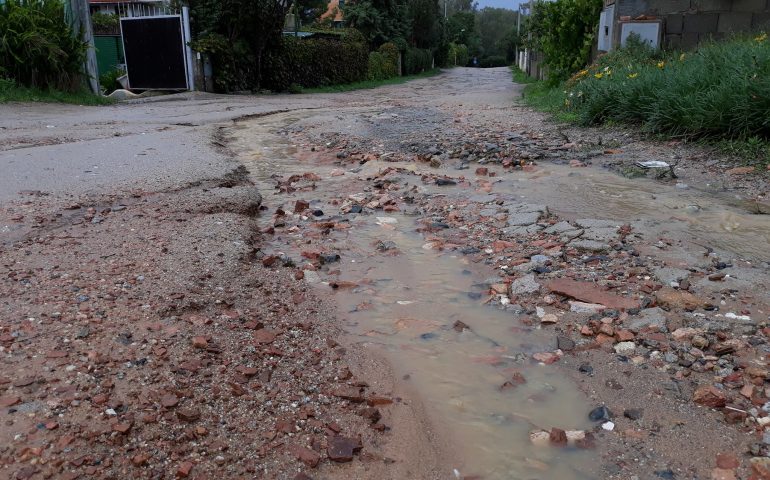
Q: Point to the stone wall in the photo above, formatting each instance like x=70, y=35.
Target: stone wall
x=688, y=22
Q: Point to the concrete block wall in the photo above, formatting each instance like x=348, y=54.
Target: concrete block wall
x=689, y=22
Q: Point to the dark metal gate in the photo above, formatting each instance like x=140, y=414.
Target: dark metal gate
x=154, y=48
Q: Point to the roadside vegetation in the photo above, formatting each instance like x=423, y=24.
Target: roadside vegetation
x=10, y=91
x=718, y=94
x=40, y=57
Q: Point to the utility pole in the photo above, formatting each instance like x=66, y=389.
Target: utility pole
x=80, y=19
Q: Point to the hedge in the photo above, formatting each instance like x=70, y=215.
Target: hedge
x=315, y=62
x=417, y=60
x=383, y=63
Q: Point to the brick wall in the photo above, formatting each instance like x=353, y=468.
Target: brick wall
x=688, y=22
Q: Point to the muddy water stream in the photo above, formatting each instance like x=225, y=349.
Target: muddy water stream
x=407, y=303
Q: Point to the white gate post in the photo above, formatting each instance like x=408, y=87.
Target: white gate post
x=188, y=50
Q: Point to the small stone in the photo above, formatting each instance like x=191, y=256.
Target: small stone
x=121, y=427
x=341, y=449
x=609, y=426
x=184, y=470
x=540, y=437
x=633, y=413
x=558, y=436
x=722, y=474
x=305, y=455
x=348, y=392
x=169, y=400
x=599, y=414
x=200, y=342
x=546, y=357
x=727, y=461
x=549, y=318
x=459, y=326
x=372, y=414
x=625, y=348
x=710, y=396
x=9, y=401
x=582, y=307
x=575, y=436
x=188, y=414
x=564, y=343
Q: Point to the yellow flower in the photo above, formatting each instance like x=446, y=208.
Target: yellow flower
x=582, y=73
x=661, y=64
x=598, y=75
x=681, y=57
x=633, y=75
x=761, y=38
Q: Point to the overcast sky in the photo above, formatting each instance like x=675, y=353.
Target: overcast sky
x=509, y=4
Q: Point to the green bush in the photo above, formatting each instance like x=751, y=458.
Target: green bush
x=458, y=55
x=417, y=60
x=315, y=62
x=383, y=63
x=105, y=23
x=37, y=45
x=721, y=90
x=564, y=32
x=493, y=61
x=109, y=81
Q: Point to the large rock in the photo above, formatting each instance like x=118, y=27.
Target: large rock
x=710, y=396
x=590, y=293
x=525, y=284
x=524, y=218
x=651, y=317
x=670, y=298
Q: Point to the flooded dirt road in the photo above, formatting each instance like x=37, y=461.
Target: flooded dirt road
x=359, y=198
x=421, y=281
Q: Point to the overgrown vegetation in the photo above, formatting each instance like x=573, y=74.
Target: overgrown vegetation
x=37, y=47
x=105, y=23
x=722, y=90
x=718, y=94
x=564, y=32
x=10, y=91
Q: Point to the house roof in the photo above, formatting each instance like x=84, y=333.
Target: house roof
x=333, y=10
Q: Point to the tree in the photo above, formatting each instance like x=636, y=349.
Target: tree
x=494, y=25
x=237, y=33
x=461, y=27
x=425, y=22
x=380, y=21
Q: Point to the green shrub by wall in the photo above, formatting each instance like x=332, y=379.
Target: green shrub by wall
x=417, y=60
x=315, y=62
x=383, y=63
x=37, y=46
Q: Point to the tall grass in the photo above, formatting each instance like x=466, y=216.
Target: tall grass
x=37, y=46
x=720, y=91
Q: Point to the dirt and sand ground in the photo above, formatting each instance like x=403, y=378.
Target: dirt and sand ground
x=419, y=281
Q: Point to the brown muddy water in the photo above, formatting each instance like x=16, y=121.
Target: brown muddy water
x=406, y=304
